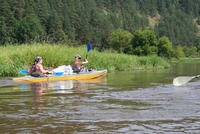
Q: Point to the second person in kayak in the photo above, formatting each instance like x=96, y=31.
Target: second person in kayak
x=78, y=65
x=37, y=69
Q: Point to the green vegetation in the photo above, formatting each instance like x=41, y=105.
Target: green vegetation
x=185, y=60
x=120, y=39
x=125, y=31
x=79, y=21
x=13, y=58
x=145, y=43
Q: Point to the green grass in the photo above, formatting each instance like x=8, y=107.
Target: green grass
x=13, y=58
x=185, y=60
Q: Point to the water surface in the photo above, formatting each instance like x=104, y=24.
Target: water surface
x=121, y=102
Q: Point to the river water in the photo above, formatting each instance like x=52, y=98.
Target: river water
x=140, y=102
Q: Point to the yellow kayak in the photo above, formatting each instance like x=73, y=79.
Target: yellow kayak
x=81, y=76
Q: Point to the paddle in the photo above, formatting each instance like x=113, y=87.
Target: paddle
x=23, y=71
x=179, y=81
x=89, y=47
x=54, y=73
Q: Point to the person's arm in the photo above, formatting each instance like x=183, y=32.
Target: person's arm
x=84, y=62
x=42, y=70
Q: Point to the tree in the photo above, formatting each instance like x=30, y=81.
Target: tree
x=54, y=27
x=42, y=10
x=8, y=23
x=178, y=52
x=29, y=28
x=120, y=39
x=18, y=8
x=165, y=48
x=94, y=20
x=2, y=31
x=190, y=51
x=144, y=42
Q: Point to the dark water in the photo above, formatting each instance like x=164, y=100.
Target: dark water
x=140, y=102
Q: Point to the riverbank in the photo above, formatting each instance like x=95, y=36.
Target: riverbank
x=13, y=58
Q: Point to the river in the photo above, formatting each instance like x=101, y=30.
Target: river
x=140, y=102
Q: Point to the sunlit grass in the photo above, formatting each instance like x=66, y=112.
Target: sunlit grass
x=185, y=60
x=16, y=57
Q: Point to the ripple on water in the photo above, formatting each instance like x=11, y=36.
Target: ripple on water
x=160, y=109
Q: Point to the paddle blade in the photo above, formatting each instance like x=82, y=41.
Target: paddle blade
x=89, y=47
x=179, y=81
x=23, y=72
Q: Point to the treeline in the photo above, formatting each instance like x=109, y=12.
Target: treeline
x=145, y=43
x=75, y=22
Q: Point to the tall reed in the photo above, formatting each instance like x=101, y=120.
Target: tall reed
x=13, y=58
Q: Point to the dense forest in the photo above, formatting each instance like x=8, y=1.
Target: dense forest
x=75, y=22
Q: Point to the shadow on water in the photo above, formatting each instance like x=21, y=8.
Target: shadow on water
x=121, y=102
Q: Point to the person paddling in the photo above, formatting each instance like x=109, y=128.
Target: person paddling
x=78, y=65
x=37, y=70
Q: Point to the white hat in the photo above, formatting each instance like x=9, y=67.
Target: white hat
x=77, y=56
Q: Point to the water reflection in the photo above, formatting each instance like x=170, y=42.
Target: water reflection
x=62, y=86
x=49, y=99
x=130, y=102
x=42, y=92
x=38, y=88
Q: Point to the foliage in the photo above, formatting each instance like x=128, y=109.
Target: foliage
x=178, y=52
x=28, y=29
x=11, y=65
x=75, y=22
x=14, y=58
x=144, y=42
x=190, y=51
x=151, y=62
x=120, y=39
x=165, y=48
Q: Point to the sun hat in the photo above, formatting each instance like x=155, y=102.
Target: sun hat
x=77, y=56
x=38, y=58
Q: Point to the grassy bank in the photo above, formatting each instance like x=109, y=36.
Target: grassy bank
x=13, y=58
x=185, y=60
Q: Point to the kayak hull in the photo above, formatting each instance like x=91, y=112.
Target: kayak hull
x=81, y=76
